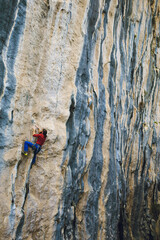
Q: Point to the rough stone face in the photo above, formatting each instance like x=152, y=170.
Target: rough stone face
x=89, y=72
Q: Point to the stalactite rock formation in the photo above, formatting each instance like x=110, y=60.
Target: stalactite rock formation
x=89, y=72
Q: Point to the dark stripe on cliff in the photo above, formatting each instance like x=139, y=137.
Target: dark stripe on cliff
x=7, y=15
x=112, y=204
x=123, y=135
x=96, y=163
x=77, y=136
x=15, y=29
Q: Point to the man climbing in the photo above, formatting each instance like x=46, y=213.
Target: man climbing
x=41, y=137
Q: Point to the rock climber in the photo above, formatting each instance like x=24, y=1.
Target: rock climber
x=41, y=137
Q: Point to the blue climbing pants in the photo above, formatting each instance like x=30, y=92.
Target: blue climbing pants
x=27, y=144
x=36, y=147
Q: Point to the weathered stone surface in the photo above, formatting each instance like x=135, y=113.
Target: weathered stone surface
x=87, y=71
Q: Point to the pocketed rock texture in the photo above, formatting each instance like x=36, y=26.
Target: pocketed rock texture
x=89, y=72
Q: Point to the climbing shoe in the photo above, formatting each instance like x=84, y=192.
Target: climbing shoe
x=25, y=153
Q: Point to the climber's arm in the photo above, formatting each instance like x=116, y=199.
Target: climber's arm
x=39, y=130
x=33, y=131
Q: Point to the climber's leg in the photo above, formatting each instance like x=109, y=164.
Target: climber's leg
x=37, y=150
x=26, y=145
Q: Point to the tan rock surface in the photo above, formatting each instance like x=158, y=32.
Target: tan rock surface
x=88, y=72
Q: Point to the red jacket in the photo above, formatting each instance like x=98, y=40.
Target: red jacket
x=41, y=138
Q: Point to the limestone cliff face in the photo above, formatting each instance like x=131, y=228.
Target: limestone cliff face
x=88, y=72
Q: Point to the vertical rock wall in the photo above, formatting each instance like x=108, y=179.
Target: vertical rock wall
x=88, y=72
